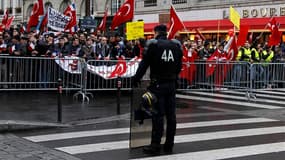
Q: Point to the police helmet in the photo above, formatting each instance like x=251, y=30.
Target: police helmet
x=148, y=101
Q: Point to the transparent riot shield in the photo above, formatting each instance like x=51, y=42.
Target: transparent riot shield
x=140, y=130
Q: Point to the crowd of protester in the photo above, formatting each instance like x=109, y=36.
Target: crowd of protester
x=112, y=46
x=89, y=46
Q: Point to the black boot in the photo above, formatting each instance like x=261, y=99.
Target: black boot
x=152, y=149
x=168, y=149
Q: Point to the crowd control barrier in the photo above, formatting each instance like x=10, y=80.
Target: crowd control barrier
x=42, y=73
x=39, y=73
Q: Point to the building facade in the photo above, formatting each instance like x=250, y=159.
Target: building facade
x=14, y=7
x=210, y=15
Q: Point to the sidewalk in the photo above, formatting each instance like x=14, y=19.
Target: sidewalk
x=38, y=109
x=14, y=148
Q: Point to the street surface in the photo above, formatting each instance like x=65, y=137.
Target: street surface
x=223, y=125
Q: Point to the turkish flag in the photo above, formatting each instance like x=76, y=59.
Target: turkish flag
x=124, y=14
x=44, y=22
x=102, y=25
x=211, y=63
x=9, y=22
x=189, y=67
x=5, y=18
x=275, y=33
x=242, y=35
x=120, y=69
x=225, y=66
x=70, y=11
x=175, y=24
x=38, y=10
x=231, y=49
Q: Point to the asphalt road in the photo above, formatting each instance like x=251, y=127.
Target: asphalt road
x=222, y=125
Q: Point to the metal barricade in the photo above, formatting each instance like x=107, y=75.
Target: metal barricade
x=38, y=73
x=267, y=75
x=215, y=76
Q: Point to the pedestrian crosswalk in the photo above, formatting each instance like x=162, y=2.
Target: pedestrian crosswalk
x=227, y=137
x=201, y=134
x=264, y=99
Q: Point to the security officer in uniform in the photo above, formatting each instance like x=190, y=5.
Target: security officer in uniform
x=163, y=56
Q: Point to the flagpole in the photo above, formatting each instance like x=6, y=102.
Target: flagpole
x=218, y=38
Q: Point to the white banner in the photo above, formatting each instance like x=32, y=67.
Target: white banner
x=70, y=64
x=123, y=68
x=57, y=20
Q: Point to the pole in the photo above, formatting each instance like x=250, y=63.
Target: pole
x=119, y=85
x=59, y=102
x=218, y=34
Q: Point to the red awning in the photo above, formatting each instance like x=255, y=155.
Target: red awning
x=255, y=24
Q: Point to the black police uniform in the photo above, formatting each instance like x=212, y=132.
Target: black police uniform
x=163, y=56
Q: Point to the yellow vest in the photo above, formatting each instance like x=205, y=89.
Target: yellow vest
x=269, y=58
x=244, y=51
x=256, y=54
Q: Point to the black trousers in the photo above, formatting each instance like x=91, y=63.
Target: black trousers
x=166, y=106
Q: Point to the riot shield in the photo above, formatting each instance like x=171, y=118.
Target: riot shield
x=140, y=130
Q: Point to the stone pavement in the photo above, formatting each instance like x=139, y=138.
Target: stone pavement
x=15, y=148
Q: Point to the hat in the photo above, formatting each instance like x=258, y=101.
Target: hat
x=206, y=43
x=160, y=28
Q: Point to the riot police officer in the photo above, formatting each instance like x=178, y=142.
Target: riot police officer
x=163, y=56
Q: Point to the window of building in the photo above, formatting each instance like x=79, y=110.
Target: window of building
x=19, y=3
x=92, y=5
x=29, y=10
x=2, y=5
x=178, y=1
x=64, y=5
x=115, y=5
x=150, y=3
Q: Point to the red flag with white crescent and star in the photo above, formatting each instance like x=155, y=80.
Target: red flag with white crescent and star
x=120, y=69
x=38, y=10
x=175, y=24
x=275, y=36
x=102, y=25
x=70, y=11
x=5, y=17
x=124, y=14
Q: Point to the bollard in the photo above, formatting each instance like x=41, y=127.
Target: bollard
x=59, y=102
x=119, y=85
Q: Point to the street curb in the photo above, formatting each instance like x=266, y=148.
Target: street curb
x=14, y=125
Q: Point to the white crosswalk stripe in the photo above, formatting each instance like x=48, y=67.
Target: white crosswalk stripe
x=80, y=134
x=224, y=153
x=266, y=99
x=178, y=139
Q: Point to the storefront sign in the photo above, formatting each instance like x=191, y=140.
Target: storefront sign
x=258, y=12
